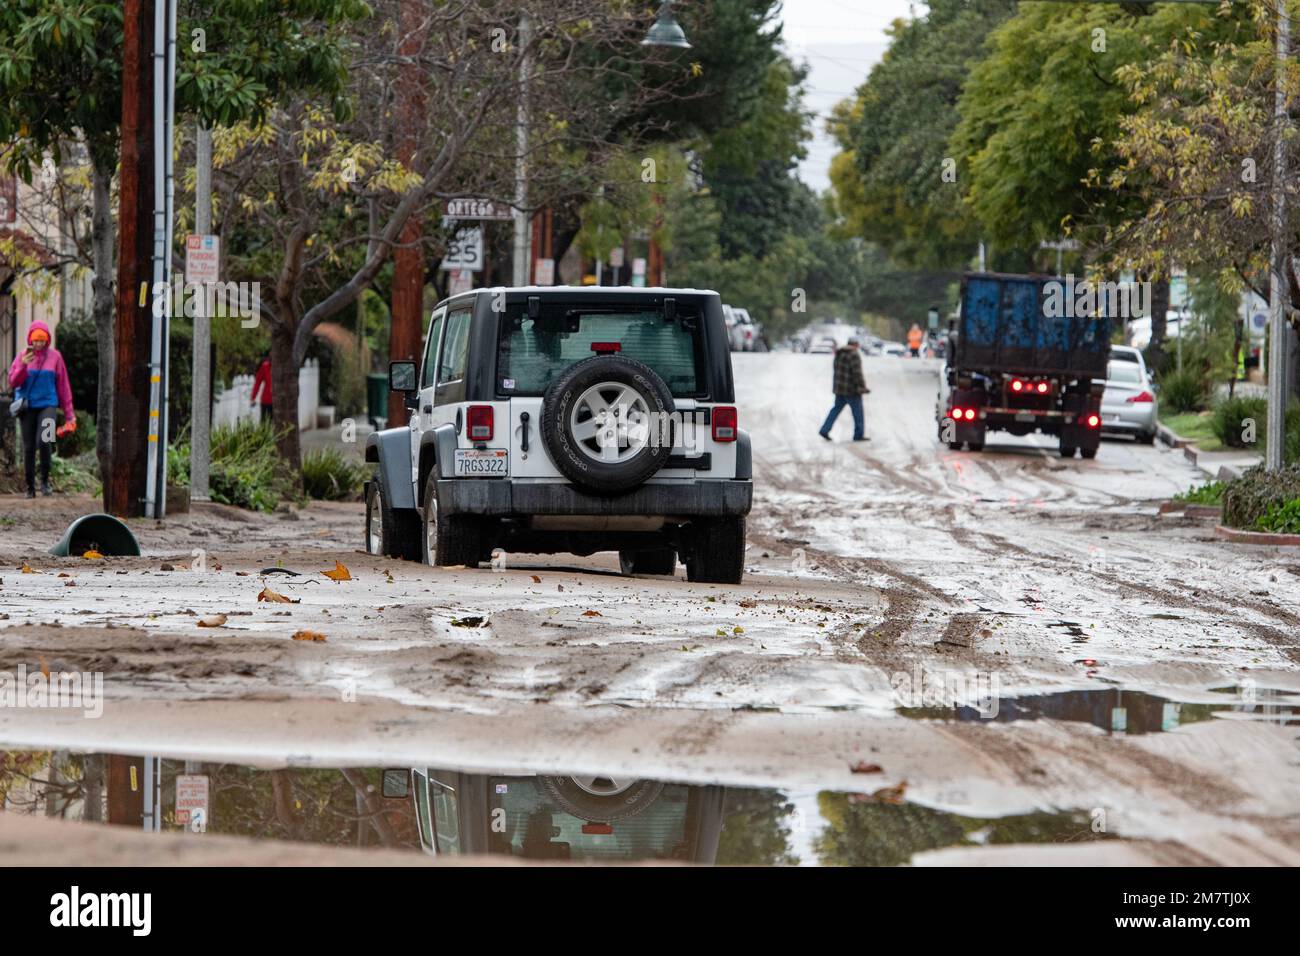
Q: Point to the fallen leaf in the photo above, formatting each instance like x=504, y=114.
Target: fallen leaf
x=559, y=587
x=891, y=795
x=241, y=574
x=592, y=614
x=167, y=567
x=737, y=630
x=27, y=569
x=217, y=620
x=92, y=555
x=389, y=575
x=268, y=595
x=64, y=574
x=308, y=636
x=749, y=604
x=45, y=668
x=536, y=579
x=863, y=767
x=340, y=573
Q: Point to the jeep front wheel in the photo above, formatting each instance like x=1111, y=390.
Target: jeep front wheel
x=718, y=551
x=389, y=533
x=449, y=540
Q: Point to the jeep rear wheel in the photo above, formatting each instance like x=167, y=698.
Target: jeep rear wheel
x=604, y=421
x=389, y=533
x=658, y=561
x=449, y=540
x=718, y=551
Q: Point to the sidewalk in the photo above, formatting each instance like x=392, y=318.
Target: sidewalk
x=1220, y=465
x=317, y=438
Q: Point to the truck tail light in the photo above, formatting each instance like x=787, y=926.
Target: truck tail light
x=480, y=422
x=1017, y=386
x=1043, y=388
x=1092, y=421
x=724, y=423
x=1143, y=396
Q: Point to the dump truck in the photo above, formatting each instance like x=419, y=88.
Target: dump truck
x=1027, y=354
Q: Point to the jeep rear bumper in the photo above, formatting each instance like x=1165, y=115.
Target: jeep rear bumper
x=503, y=497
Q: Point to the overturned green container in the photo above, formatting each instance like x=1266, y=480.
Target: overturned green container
x=104, y=533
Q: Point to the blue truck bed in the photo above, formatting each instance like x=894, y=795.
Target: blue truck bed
x=1004, y=327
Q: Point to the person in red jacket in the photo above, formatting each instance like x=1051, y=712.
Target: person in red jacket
x=39, y=379
x=262, y=384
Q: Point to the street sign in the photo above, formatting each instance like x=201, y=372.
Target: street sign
x=459, y=281
x=465, y=250
x=202, y=258
x=192, y=800
x=616, y=257
x=545, y=271
x=638, y=272
x=478, y=209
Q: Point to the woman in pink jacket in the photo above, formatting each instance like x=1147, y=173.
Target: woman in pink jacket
x=40, y=381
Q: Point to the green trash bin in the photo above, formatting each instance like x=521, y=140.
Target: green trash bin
x=377, y=399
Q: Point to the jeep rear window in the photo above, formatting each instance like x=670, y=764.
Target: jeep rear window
x=532, y=352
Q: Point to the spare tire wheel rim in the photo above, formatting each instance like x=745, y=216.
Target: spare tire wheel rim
x=602, y=786
x=431, y=528
x=375, y=522
x=610, y=422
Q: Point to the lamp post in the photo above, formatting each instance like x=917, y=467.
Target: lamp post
x=666, y=31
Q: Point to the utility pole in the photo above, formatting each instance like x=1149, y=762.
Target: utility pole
x=124, y=483
x=408, y=257
x=522, y=253
x=201, y=368
x=1278, y=288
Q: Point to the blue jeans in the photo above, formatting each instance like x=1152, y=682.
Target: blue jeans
x=855, y=406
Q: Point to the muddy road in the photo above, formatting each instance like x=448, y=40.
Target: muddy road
x=987, y=635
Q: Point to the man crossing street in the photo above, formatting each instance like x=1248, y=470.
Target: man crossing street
x=849, y=386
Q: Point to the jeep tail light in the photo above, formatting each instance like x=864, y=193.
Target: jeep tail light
x=480, y=422
x=1143, y=396
x=724, y=423
x=606, y=348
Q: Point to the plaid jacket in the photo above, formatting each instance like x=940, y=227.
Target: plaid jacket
x=848, y=372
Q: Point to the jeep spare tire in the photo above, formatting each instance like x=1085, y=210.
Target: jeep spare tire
x=604, y=423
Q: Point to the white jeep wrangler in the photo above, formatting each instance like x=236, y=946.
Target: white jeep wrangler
x=555, y=419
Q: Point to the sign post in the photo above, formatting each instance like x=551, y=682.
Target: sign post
x=192, y=802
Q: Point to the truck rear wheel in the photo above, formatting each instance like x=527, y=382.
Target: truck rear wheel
x=658, y=561
x=1088, y=452
x=718, y=551
x=1067, y=451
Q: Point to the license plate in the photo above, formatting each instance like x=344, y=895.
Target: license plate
x=1024, y=416
x=482, y=462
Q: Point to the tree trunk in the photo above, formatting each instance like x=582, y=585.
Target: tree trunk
x=284, y=393
x=1156, y=356
x=101, y=240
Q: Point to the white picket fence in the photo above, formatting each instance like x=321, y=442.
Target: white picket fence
x=233, y=406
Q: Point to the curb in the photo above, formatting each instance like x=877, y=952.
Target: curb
x=1192, y=454
x=1191, y=511
x=1257, y=537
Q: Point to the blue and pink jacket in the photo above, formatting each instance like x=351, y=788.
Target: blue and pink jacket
x=43, y=381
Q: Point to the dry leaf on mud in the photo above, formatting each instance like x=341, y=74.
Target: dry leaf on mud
x=749, y=604
x=389, y=575
x=217, y=620
x=891, y=795
x=308, y=636
x=340, y=572
x=92, y=555
x=45, y=668
x=592, y=614
x=27, y=569
x=863, y=767
x=64, y=574
x=267, y=594
x=536, y=579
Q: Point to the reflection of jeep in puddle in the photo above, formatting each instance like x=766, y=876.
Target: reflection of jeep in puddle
x=564, y=817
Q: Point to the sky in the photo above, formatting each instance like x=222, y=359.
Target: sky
x=839, y=40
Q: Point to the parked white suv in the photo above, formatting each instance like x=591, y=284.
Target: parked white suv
x=557, y=419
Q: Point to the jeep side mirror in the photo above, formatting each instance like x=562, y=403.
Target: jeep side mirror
x=402, y=376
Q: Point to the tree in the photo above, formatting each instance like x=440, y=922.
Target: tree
x=893, y=181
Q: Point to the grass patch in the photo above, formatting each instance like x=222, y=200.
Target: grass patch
x=1197, y=427
x=1210, y=493
x=329, y=475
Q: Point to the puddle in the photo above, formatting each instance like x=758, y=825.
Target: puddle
x=1119, y=711
x=557, y=817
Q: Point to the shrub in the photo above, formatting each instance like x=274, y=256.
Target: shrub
x=329, y=475
x=1228, y=418
x=1183, y=391
x=1281, y=518
x=1249, y=498
x=1210, y=493
x=82, y=440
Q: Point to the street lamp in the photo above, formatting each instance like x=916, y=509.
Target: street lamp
x=666, y=31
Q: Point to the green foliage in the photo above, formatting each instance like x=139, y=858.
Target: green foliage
x=1231, y=418
x=1183, y=391
x=889, y=180
x=329, y=475
x=1258, y=492
x=80, y=441
x=74, y=475
x=1281, y=518
x=245, y=468
x=1210, y=493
